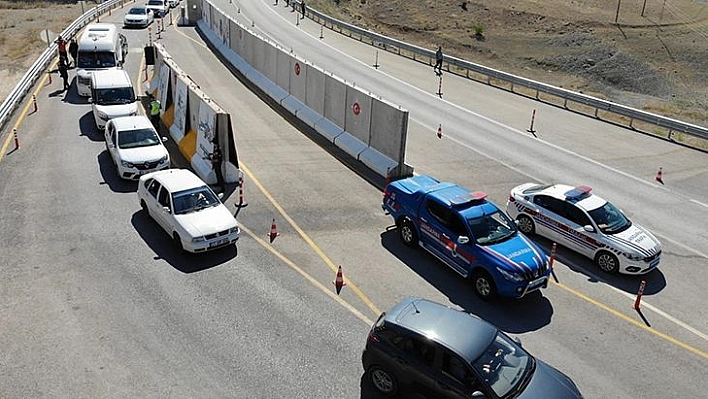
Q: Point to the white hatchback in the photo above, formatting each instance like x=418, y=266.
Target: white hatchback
x=585, y=223
x=135, y=147
x=188, y=210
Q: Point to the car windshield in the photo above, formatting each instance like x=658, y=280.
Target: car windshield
x=114, y=96
x=194, y=200
x=155, y=3
x=137, y=11
x=492, y=228
x=609, y=219
x=95, y=59
x=137, y=138
x=503, y=365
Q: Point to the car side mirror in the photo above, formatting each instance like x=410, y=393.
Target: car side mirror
x=164, y=139
x=589, y=228
x=166, y=209
x=517, y=340
x=478, y=394
x=220, y=195
x=463, y=240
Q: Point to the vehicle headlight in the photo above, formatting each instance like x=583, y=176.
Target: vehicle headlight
x=510, y=276
x=102, y=115
x=198, y=239
x=233, y=230
x=633, y=257
x=127, y=164
x=163, y=159
x=134, y=113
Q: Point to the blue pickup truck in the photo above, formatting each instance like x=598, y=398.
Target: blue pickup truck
x=468, y=233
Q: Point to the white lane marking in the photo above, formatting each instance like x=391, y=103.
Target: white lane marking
x=645, y=304
x=699, y=203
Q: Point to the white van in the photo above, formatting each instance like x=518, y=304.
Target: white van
x=112, y=95
x=101, y=46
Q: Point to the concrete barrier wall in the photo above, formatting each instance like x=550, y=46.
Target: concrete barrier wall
x=298, y=79
x=387, y=116
x=357, y=120
x=366, y=127
x=283, y=61
x=315, y=95
x=335, y=101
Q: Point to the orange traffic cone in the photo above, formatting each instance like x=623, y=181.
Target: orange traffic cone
x=339, y=282
x=439, y=131
x=659, y=176
x=273, y=231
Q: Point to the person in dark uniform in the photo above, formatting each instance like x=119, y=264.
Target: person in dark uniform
x=303, y=7
x=64, y=74
x=74, y=50
x=438, y=61
x=217, y=159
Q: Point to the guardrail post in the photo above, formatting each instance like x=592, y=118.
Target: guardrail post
x=17, y=141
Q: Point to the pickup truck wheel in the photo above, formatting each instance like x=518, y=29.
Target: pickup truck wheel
x=526, y=225
x=408, y=234
x=483, y=285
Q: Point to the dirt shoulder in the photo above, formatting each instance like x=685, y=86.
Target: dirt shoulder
x=654, y=58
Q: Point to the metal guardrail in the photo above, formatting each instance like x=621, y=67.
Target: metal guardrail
x=424, y=55
x=18, y=94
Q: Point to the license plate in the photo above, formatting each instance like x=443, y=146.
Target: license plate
x=537, y=282
x=218, y=242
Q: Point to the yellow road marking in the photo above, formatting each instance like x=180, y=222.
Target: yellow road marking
x=309, y=278
x=308, y=240
x=633, y=321
x=22, y=116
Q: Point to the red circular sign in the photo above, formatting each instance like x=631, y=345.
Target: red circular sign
x=297, y=68
x=356, y=108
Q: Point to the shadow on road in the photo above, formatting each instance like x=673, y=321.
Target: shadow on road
x=110, y=175
x=161, y=243
x=580, y=264
x=88, y=129
x=511, y=315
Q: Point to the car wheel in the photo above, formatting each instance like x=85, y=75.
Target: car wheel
x=144, y=207
x=177, y=241
x=526, y=225
x=483, y=285
x=383, y=381
x=408, y=234
x=607, y=262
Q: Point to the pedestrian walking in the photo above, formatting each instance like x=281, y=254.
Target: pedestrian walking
x=61, y=46
x=303, y=7
x=155, y=113
x=64, y=75
x=74, y=50
x=217, y=159
x=438, y=61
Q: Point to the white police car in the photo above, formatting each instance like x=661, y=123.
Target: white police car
x=585, y=223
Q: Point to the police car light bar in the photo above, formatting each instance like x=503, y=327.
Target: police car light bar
x=467, y=198
x=578, y=192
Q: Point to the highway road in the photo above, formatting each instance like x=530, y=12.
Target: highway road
x=96, y=302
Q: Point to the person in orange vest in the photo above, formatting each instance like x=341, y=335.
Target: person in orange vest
x=61, y=46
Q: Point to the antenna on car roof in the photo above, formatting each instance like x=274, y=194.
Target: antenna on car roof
x=415, y=307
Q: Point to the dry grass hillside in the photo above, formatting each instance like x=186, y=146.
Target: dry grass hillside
x=656, y=60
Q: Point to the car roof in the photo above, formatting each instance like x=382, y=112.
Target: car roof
x=581, y=196
x=177, y=179
x=464, y=333
x=111, y=78
x=122, y=123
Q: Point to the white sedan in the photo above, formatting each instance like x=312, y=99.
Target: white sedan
x=135, y=147
x=139, y=16
x=585, y=223
x=188, y=210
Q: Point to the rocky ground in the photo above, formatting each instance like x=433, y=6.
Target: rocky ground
x=656, y=60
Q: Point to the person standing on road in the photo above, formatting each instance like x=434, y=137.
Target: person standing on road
x=155, y=113
x=217, y=159
x=303, y=7
x=61, y=46
x=74, y=50
x=438, y=61
x=64, y=74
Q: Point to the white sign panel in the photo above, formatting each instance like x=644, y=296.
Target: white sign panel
x=206, y=129
x=164, y=82
x=179, y=127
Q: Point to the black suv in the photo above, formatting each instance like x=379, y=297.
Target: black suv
x=441, y=352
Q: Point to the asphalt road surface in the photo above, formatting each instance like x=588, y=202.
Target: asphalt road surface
x=96, y=301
